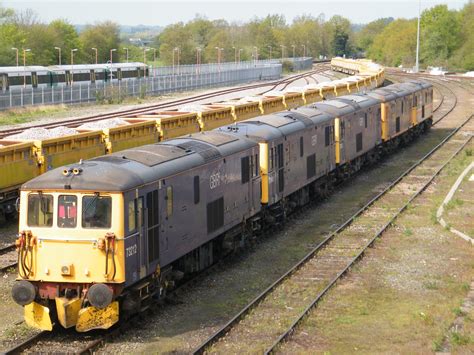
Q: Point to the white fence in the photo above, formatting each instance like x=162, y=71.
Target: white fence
x=161, y=81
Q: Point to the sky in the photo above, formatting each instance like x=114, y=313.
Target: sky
x=162, y=13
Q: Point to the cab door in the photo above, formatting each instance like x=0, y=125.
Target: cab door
x=136, y=245
x=131, y=237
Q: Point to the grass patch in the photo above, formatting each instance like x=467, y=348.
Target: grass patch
x=458, y=312
x=408, y=232
x=465, y=286
x=460, y=339
x=437, y=345
x=431, y=285
x=24, y=115
x=345, y=320
x=456, y=202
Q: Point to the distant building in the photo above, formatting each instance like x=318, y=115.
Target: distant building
x=140, y=42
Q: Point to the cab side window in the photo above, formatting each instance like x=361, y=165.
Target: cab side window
x=132, y=215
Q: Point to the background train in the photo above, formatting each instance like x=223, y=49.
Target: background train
x=105, y=236
x=38, y=76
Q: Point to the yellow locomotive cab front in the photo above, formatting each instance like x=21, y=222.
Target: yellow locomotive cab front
x=71, y=258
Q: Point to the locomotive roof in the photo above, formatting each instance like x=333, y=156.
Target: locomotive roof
x=270, y=127
x=416, y=84
x=401, y=90
x=128, y=169
x=383, y=94
x=315, y=115
x=359, y=101
x=336, y=108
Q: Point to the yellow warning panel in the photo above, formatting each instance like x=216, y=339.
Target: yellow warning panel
x=68, y=311
x=37, y=316
x=96, y=318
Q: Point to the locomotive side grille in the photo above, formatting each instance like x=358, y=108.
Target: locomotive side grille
x=311, y=166
x=359, y=142
x=215, y=215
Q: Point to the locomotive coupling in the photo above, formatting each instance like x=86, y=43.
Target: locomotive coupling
x=102, y=313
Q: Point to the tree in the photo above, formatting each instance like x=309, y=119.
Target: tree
x=365, y=37
x=396, y=44
x=65, y=37
x=340, y=34
x=103, y=36
x=176, y=36
x=463, y=57
x=440, y=34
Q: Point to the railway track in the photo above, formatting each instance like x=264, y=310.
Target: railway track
x=5, y=253
x=79, y=121
x=272, y=316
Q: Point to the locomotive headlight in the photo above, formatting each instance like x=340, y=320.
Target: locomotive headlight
x=66, y=270
x=23, y=292
x=100, y=295
x=67, y=172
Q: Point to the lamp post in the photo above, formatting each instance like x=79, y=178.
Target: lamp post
x=111, y=62
x=417, y=67
x=304, y=50
x=126, y=55
x=235, y=55
x=218, y=58
x=176, y=49
x=154, y=62
x=240, y=51
x=270, y=47
x=144, y=59
x=256, y=54
x=59, y=49
x=16, y=49
x=282, y=51
x=179, y=59
x=72, y=64
x=24, y=66
x=96, y=56
x=198, y=60
x=218, y=54
x=293, y=51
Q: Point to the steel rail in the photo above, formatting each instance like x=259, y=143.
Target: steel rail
x=8, y=267
x=27, y=343
x=224, y=330
x=7, y=249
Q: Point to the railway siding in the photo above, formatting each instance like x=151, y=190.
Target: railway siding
x=260, y=328
x=410, y=292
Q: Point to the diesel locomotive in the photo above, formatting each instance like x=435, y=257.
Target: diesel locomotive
x=100, y=239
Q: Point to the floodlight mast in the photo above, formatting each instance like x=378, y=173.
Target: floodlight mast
x=417, y=65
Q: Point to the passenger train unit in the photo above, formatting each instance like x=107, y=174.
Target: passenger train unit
x=38, y=76
x=98, y=240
